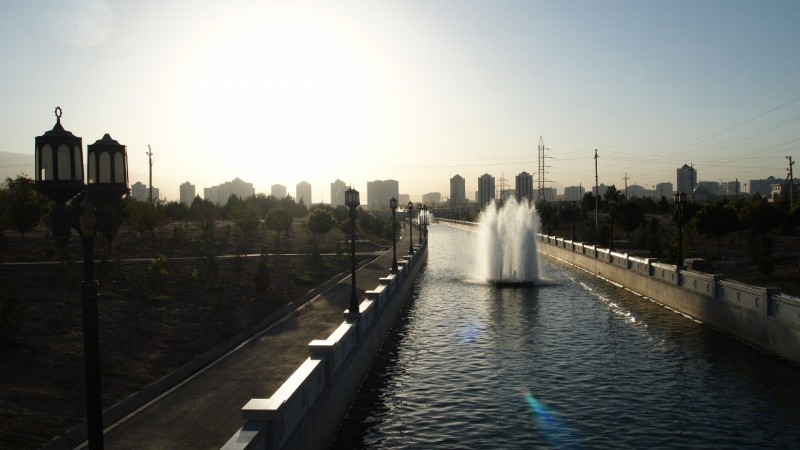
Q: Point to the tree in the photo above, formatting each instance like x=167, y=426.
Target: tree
x=247, y=218
x=320, y=221
x=26, y=207
x=278, y=220
x=628, y=215
x=587, y=202
x=716, y=219
x=146, y=216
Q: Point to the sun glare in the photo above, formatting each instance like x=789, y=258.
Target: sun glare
x=285, y=93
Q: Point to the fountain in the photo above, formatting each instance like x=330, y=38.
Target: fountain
x=507, y=245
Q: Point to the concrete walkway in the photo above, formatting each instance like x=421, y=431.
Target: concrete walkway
x=204, y=411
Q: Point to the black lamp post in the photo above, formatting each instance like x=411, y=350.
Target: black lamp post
x=393, y=205
x=59, y=176
x=680, y=203
x=410, y=207
x=419, y=220
x=352, y=202
x=425, y=221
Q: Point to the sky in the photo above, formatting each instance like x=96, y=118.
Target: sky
x=278, y=92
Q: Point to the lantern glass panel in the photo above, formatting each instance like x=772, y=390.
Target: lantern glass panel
x=46, y=163
x=119, y=169
x=91, y=169
x=77, y=161
x=64, y=159
x=105, y=168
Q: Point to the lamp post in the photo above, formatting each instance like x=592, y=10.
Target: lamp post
x=419, y=220
x=410, y=207
x=393, y=205
x=425, y=221
x=352, y=202
x=680, y=203
x=59, y=176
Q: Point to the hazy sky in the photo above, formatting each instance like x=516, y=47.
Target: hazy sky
x=415, y=90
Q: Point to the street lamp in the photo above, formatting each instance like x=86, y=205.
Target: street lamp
x=410, y=207
x=425, y=223
x=393, y=205
x=419, y=220
x=59, y=176
x=351, y=200
x=680, y=204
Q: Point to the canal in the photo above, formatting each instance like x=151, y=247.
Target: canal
x=575, y=363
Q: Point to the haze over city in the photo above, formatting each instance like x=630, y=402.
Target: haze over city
x=414, y=91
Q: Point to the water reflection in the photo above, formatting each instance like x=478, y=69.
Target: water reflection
x=577, y=363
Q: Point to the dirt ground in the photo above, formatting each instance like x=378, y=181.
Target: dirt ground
x=152, y=322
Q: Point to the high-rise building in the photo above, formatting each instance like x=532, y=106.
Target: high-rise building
x=432, y=198
x=664, y=190
x=574, y=193
x=730, y=188
x=379, y=192
x=548, y=194
x=763, y=187
x=187, y=192
x=278, y=191
x=711, y=187
x=220, y=194
x=486, y=190
x=524, y=187
x=337, y=193
x=141, y=192
x=302, y=193
x=403, y=200
x=687, y=180
x=458, y=194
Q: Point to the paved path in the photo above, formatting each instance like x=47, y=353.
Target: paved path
x=205, y=411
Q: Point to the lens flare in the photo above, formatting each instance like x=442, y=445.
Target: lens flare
x=553, y=430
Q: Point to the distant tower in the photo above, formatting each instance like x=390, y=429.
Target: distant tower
x=524, y=187
x=187, y=191
x=687, y=180
x=542, y=169
x=303, y=193
x=458, y=193
x=278, y=191
x=337, y=193
x=486, y=190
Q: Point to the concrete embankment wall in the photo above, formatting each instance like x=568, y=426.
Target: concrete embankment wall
x=761, y=316
x=307, y=410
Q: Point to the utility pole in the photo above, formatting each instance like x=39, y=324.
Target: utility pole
x=626, y=184
x=596, y=190
x=791, y=182
x=150, y=160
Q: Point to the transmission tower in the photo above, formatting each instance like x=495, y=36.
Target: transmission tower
x=542, y=168
x=503, y=186
x=150, y=160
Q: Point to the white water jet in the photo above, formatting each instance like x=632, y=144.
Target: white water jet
x=507, y=244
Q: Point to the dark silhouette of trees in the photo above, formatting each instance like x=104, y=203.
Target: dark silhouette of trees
x=25, y=207
x=628, y=215
x=279, y=221
x=320, y=222
x=716, y=219
x=247, y=218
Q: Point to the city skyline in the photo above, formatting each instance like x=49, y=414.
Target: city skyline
x=275, y=93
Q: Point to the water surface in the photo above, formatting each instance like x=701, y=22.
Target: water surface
x=577, y=363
